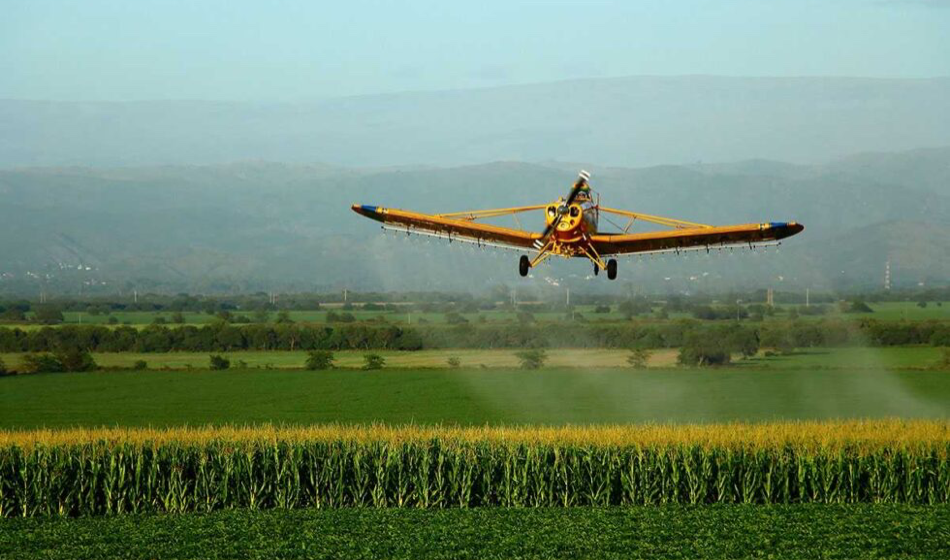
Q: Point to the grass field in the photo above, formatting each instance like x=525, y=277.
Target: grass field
x=421, y=359
x=469, y=396
x=703, y=532
x=817, y=358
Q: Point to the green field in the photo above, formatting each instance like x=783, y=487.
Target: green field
x=703, y=532
x=916, y=357
x=469, y=396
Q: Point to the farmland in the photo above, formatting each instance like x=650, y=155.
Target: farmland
x=920, y=357
x=470, y=396
x=115, y=471
x=669, y=531
x=452, y=450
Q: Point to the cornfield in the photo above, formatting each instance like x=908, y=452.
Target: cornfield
x=114, y=471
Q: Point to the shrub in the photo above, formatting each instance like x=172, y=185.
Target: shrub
x=319, y=360
x=48, y=315
x=454, y=362
x=334, y=317
x=704, y=349
x=631, y=308
x=140, y=365
x=743, y=340
x=42, y=363
x=373, y=361
x=219, y=362
x=922, y=304
x=113, y=321
x=602, y=309
x=261, y=316
x=453, y=318
x=76, y=360
x=3, y=368
x=532, y=359
x=638, y=358
x=13, y=314
x=945, y=359
x=858, y=306
x=178, y=318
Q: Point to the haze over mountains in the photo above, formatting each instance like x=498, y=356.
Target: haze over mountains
x=267, y=226
x=635, y=121
x=206, y=196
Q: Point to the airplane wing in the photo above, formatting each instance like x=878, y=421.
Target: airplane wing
x=704, y=237
x=460, y=226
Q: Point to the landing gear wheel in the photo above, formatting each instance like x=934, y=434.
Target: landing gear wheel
x=523, y=265
x=612, y=269
x=596, y=269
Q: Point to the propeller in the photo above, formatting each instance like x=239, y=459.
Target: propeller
x=582, y=178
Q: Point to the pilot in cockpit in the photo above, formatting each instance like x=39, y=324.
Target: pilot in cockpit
x=584, y=197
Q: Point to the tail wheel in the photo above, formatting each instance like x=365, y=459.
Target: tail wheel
x=612, y=269
x=524, y=265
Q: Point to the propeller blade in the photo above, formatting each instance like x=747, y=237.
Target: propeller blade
x=582, y=178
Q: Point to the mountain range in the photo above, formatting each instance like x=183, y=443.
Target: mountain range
x=282, y=226
x=630, y=122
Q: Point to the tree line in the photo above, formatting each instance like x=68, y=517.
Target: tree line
x=225, y=337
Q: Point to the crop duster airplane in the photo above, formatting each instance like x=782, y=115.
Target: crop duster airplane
x=571, y=230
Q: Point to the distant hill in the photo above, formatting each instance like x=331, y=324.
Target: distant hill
x=251, y=226
x=633, y=122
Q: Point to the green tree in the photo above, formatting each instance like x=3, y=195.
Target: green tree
x=75, y=359
x=261, y=315
x=704, y=349
x=945, y=359
x=140, y=365
x=42, y=363
x=453, y=318
x=638, y=358
x=13, y=314
x=858, y=306
x=454, y=362
x=178, y=318
x=744, y=341
x=48, y=315
x=283, y=317
x=319, y=360
x=218, y=362
x=3, y=368
x=373, y=361
x=532, y=358
x=525, y=317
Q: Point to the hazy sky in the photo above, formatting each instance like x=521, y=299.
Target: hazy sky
x=292, y=50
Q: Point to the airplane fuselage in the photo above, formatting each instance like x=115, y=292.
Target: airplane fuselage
x=578, y=221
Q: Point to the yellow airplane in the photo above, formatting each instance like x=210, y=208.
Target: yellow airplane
x=572, y=231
